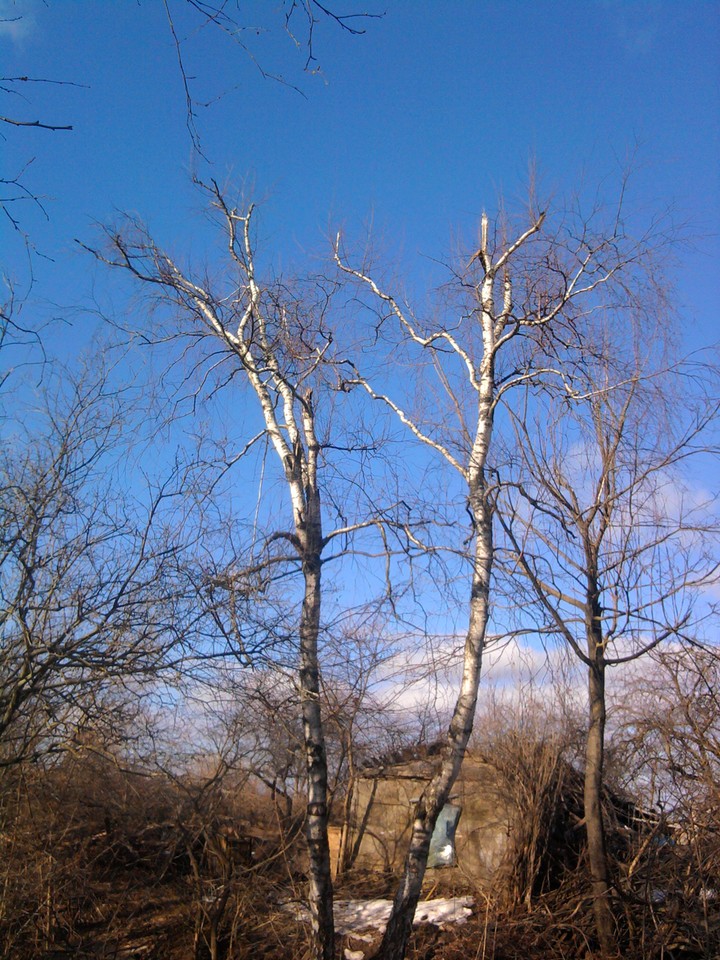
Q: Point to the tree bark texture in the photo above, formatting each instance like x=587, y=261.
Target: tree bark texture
x=278, y=371
x=597, y=852
x=435, y=796
x=594, y=771
x=320, y=881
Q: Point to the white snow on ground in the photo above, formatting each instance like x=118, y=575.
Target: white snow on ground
x=354, y=916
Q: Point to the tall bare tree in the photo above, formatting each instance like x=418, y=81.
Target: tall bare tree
x=282, y=348
x=603, y=525
x=523, y=286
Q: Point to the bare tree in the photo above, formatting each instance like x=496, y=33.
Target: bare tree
x=88, y=585
x=665, y=747
x=667, y=716
x=602, y=523
x=517, y=289
x=281, y=347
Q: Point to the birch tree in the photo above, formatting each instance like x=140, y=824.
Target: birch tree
x=611, y=539
x=519, y=288
x=282, y=348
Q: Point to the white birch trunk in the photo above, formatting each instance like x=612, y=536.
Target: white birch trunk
x=287, y=411
x=436, y=794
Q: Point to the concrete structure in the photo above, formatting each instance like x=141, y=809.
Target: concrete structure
x=472, y=837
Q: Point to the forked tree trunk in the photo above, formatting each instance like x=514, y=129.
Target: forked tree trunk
x=496, y=323
x=278, y=368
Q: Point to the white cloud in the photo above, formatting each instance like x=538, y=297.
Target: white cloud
x=428, y=676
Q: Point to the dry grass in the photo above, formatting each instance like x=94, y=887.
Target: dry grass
x=97, y=863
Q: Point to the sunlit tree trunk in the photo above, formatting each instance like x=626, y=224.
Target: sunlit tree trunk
x=316, y=823
x=434, y=798
x=277, y=359
x=491, y=323
x=594, y=774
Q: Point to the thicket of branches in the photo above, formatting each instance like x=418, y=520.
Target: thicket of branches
x=265, y=590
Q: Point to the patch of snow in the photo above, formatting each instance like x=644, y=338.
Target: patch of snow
x=352, y=916
x=443, y=911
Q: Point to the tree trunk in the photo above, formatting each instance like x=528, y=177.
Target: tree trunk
x=435, y=796
x=344, y=851
x=594, y=763
x=320, y=892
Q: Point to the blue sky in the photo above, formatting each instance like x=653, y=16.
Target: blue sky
x=410, y=130
x=414, y=127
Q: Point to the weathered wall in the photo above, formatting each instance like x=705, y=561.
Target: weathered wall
x=383, y=809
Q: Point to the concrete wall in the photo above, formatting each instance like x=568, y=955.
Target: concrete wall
x=382, y=818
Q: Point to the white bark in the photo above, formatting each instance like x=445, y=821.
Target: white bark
x=480, y=376
x=277, y=377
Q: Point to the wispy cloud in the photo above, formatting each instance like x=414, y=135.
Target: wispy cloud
x=637, y=22
x=17, y=19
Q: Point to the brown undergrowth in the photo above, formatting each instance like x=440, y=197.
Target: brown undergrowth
x=102, y=862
